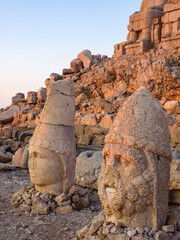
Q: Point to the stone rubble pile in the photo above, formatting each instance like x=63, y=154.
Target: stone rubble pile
x=101, y=90
x=35, y=203
x=99, y=229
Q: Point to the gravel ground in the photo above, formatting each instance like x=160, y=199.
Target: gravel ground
x=15, y=225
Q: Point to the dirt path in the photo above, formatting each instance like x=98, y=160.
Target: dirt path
x=20, y=226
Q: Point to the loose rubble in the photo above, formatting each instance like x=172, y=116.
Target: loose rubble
x=99, y=229
x=30, y=201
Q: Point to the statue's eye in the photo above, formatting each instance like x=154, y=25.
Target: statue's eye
x=117, y=159
x=36, y=155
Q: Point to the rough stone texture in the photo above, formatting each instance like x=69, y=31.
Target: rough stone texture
x=61, y=101
x=4, y=158
x=88, y=166
x=106, y=121
x=18, y=96
x=32, y=97
x=7, y=116
x=55, y=77
x=134, y=178
x=160, y=235
x=41, y=94
x=81, y=98
x=144, y=28
x=176, y=236
x=168, y=228
x=36, y=203
x=52, y=147
x=89, y=119
x=155, y=25
x=86, y=57
x=175, y=134
x=175, y=174
x=174, y=196
x=7, y=167
x=76, y=65
x=170, y=25
x=39, y=207
x=20, y=159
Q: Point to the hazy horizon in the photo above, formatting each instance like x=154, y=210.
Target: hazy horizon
x=41, y=37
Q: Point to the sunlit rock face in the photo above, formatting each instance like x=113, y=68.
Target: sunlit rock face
x=134, y=179
x=144, y=29
x=52, y=147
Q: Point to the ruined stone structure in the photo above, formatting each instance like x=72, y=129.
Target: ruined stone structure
x=52, y=147
x=157, y=24
x=134, y=179
x=171, y=25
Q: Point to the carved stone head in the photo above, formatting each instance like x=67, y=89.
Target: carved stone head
x=134, y=178
x=52, y=147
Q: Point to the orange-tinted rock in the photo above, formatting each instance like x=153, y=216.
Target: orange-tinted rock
x=76, y=65
x=86, y=57
x=8, y=115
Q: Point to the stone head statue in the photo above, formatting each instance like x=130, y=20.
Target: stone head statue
x=52, y=147
x=134, y=179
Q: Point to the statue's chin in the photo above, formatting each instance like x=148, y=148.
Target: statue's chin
x=55, y=188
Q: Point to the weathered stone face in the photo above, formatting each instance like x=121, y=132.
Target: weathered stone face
x=52, y=147
x=134, y=178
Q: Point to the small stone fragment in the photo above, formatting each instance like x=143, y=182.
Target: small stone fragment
x=61, y=198
x=39, y=207
x=131, y=232
x=96, y=223
x=168, y=228
x=160, y=235
x=82, y=232
x=64, y=210
x=63, y=204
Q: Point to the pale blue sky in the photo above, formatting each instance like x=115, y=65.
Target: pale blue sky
x=38, y=37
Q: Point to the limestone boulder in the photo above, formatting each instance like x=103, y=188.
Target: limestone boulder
x=106, y=121
x=81, y=98
x=89, y=119
x=86, y=57
x=20, y=159
x=41, y=95
x=84, y=140
x=55, y=77
x=5, y=158
x=8, y=115
x=7, y=167
x=172, y=105
x=39, y=207
x=18, y=96
x=66, y=71
x=32, y=97
x=76, y=65
x=88, y=166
